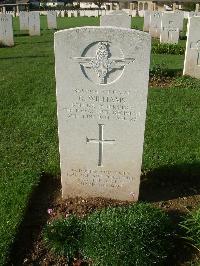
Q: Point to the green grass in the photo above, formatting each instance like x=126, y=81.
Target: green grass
x=28, y=129
x=115, y=236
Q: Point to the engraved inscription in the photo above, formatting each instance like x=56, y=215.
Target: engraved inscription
x=101, y=105
x=102, y=63
x=196, y=46
x=101, y=178
x=101, y=141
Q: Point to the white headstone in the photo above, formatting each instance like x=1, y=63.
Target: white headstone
x=6, y=30
x=116, y=20
x=102, y=83
x=192, y=54
x=179, y=18
x=82, y=13
x=186, y=14
x=51, y=20
x=169, y=28
x=146, y=20
x=103, y=13
x=62, y=12
x=141, y=13
x=23, y=20
x=133, y=13
x=34, y=23
x=155, y=24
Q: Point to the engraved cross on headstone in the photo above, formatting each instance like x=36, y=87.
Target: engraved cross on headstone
x=196, y=46
x=101, y=141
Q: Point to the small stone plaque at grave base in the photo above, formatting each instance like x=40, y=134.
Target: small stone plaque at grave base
x=6, y=30
x=192, y=53
x=102, y=82
x=116, y=19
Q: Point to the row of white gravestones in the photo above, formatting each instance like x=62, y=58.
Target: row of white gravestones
x=31, y=21
x=6, y=30
x=116, y=19
x=102, y=85
x=165, y=26
x=90, y=13
x=192, y=54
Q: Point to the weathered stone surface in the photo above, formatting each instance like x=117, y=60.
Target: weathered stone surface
x=179, y=18
x=192, y=54
x=120, y=19
x=51, y=20
x=23, y=20
x=34, y=23
x=169, y=28
x=146, y=20
x=155, y=24
x=102, y=82
x=6, y=30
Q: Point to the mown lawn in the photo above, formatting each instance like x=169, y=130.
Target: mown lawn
x=28, y=128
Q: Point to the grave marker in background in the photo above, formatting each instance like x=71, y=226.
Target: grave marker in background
x=34, y=23
x=146, y=20
x=51, y=20
x=169, y=28
x=120, y=19
x=102, y=83
x=155, y=24
x=6, y=30
x=180, y=19
x=192, y=53
x=23, y=20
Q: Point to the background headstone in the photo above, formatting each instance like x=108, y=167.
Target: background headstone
x=6, y=30
x=23, y=20
x=169, y=28
x=34, y=23
x=180, y=19
x=146, y=20
x=155, y=24
x=51, y=20
x=102, y=83
x=119, y=19
x=192, y=53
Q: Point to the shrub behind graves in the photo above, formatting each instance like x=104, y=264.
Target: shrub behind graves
x=121, y=236
x=166, y=48
x=191, y=228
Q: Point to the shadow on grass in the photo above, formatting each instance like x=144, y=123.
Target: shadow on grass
x=20, y=57
x=159, y=70
x=35, y=218
x=170, y=182
x=21, y=34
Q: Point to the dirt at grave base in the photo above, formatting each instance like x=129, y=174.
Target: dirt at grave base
x=30, y=249
x=39, y=255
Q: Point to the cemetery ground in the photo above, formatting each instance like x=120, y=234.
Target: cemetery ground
x=30, y=181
